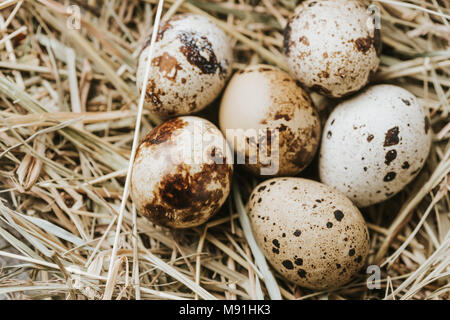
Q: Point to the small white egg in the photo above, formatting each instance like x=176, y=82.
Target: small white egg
x=374, y=144
x=182, y=173
x=191, y=62
x=270, y=121
x=311, y=234
x=332, y=46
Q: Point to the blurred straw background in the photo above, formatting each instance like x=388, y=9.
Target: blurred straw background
x=68, y=105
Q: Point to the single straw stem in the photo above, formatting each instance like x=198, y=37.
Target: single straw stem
x=133, y=150
x=260, y=260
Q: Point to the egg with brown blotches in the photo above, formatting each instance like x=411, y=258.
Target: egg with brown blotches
x=270, y=121
x=374, y=144
x=191, y=62
x=332, y=46
x=181, y=173
x=312, y=235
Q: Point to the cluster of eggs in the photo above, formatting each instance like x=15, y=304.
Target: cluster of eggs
x=373, y=144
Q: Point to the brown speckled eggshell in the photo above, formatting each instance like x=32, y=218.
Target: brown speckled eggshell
x=312, y=235
x=182, y=173
x=191, y=62
x=263, y=98
x=332, y=46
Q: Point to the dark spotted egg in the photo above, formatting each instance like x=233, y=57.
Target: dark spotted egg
x=374, y=144
x=182, y=173
x=311, y=234
x=332, y=46
x=190, y=65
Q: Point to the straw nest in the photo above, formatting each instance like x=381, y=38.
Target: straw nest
x=68, y=106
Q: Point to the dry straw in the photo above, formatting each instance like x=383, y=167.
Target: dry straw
x=110, y=282
x=68, y=109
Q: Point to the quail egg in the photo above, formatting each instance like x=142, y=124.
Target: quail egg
x=191, y=61
x=182, y=172
x=311, y=234
x=374, y=144
x=332, y=46
x=270, y=121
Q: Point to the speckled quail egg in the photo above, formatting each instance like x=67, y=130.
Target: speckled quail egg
x=269, y=121
x=332, y=46
x=182, y=172
x=374, y=144
x=311, y=234
x=191, y=61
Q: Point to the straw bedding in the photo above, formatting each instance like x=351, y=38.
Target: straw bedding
x=68, y=105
